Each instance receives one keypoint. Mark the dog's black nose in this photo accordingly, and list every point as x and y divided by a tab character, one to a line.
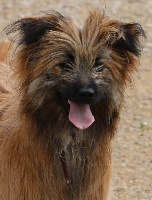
86	93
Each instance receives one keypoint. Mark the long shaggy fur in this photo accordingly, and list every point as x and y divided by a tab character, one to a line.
42	155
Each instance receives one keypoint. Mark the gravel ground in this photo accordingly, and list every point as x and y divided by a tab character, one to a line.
132	179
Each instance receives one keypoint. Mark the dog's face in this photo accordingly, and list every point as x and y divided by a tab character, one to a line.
76	70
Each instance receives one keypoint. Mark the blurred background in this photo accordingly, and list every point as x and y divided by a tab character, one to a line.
132	177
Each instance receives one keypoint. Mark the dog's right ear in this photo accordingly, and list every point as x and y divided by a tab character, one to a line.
32	29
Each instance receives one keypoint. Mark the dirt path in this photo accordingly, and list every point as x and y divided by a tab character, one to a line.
133	143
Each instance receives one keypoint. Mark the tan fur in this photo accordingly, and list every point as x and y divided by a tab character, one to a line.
42	155
4	71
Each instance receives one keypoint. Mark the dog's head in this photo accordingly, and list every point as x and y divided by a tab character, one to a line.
79	71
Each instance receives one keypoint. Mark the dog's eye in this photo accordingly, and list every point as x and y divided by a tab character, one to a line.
66	67
100	68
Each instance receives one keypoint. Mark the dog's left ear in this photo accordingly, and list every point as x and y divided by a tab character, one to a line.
129	39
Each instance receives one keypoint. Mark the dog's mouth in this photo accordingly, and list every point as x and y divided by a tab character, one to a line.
78	101
80	115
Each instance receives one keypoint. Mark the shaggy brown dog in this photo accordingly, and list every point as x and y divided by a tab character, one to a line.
60	113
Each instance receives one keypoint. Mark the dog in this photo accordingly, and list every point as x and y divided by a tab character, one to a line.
61	94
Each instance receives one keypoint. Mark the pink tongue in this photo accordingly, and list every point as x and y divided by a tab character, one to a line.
80	115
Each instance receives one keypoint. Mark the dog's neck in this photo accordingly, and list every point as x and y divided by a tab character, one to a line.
73	152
